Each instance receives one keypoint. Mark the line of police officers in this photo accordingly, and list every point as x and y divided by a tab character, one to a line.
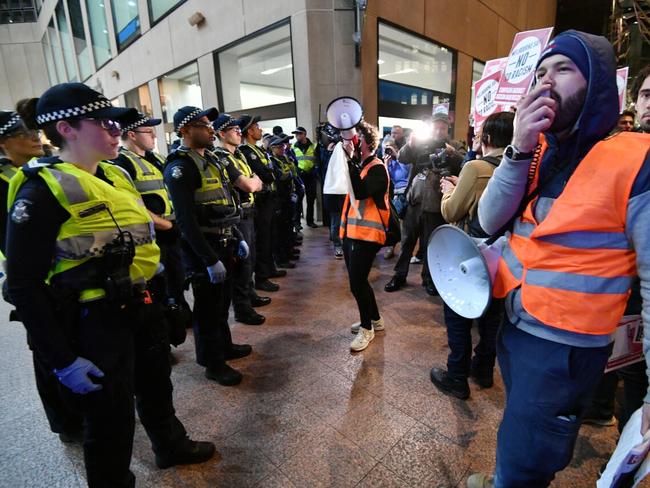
97	254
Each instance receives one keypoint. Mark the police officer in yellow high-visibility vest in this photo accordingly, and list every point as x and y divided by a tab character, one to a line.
80	259
308	158
137	157
207	210
228	138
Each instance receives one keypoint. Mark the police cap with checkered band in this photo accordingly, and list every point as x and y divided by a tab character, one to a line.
186	114
9	121
133	121
76	101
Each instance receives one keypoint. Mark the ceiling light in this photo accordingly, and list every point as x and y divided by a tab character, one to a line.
275	70
380	61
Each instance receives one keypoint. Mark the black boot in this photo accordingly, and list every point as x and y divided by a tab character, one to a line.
250	317
238	351
258	301
266	285
224	375
187	452
449	386
395	283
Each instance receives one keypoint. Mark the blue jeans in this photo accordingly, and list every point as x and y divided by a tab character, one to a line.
548	388
459	337
334	205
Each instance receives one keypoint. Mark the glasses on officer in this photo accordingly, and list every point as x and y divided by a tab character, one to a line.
111	126
200	125
25	133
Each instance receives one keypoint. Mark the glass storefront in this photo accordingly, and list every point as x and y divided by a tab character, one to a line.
140	98
415	74
178	88
257	72
57	52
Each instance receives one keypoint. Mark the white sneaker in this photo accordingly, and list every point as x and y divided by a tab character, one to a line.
415	260
338	253
362	339
377	326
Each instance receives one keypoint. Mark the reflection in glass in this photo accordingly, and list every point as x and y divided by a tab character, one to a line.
98	31
158	8
57	52
258	72
140	98
126	20
79	38
177	89
66	42
49	61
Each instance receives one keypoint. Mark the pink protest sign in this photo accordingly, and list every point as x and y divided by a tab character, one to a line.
493	65
485	91
519	72
621	83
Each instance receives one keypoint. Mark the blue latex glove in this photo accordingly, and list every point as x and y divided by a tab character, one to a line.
294	198
217	273
76	376
243	251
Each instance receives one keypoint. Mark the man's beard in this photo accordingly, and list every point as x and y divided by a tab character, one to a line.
645	125
568	110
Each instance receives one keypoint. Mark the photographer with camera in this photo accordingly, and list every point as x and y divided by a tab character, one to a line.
430	158
460	197
81	262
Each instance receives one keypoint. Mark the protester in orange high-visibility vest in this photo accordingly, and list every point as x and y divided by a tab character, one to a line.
571	257
362	231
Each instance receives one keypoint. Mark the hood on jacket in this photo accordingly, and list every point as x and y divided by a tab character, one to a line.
600	111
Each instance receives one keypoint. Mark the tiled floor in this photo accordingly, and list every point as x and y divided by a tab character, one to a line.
308	413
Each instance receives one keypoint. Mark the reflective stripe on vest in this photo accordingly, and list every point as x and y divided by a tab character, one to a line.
214	181
8	171
576	266
242	165
305	159
366	221
149	180
285	167
92	205
261	155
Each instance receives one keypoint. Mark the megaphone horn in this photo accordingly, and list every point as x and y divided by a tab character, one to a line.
344	113
463	269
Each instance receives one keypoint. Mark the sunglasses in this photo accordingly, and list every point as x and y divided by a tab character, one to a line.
111	126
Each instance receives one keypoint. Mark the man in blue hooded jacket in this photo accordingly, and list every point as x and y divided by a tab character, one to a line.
549	369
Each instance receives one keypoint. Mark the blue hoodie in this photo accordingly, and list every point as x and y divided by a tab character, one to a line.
506	189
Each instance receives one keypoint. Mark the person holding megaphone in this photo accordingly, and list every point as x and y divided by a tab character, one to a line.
366	211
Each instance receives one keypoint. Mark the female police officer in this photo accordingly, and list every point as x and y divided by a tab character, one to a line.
80	251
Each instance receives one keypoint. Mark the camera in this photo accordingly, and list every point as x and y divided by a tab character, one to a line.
439	160
326	134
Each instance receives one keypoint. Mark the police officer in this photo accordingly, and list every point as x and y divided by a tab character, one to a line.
287	198
308	157
80	254
207	211
137	157
265	206
19	142
229	138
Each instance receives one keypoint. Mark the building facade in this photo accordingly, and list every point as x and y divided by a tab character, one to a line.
284	60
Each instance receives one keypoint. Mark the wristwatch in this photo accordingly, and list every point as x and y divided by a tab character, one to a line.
515	154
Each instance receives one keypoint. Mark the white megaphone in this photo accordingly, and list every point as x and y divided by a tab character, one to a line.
463	269
344	113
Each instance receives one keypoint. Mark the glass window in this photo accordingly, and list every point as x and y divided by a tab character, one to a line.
79	38
159	8
288	124
126	20
177	89
414	74
257	72
140	98
66	42
49	61
98	31
57	52
477	72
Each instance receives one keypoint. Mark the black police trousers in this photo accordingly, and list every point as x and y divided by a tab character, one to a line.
131	347
283	227
265	205
171	258
310	181
243	269
212	338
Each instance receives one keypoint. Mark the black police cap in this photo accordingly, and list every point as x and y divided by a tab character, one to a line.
224	121
76	100
9	121
136	120
299	130
245	121
186	114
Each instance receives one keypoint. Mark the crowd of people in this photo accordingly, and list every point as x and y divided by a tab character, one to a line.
103	238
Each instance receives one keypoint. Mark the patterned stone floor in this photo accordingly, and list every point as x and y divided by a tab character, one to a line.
309	413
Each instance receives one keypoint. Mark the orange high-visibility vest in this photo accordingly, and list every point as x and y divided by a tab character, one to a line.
575	268
365	221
